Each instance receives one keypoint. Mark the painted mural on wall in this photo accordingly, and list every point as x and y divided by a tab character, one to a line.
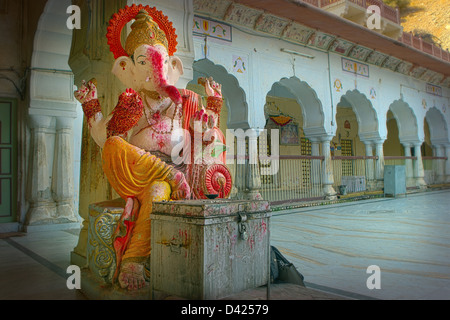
354	67
289	134
211	28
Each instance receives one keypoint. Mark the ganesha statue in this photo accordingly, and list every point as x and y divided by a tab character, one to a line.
160	143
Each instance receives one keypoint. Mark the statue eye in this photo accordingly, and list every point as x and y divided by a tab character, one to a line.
142	62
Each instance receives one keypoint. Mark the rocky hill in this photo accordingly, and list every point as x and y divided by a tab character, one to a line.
429	18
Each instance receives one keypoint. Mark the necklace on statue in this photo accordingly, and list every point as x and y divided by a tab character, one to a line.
155	118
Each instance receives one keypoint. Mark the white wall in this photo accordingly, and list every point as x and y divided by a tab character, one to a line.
267	65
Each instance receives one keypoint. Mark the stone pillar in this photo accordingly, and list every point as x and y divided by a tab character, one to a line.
379	164
241	164
42	207
62	182
447	163
90	58
253	175
327	170
439	151
370	175
419	173
315	165
410	182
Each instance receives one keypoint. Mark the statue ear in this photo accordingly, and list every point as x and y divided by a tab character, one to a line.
123	69
175	70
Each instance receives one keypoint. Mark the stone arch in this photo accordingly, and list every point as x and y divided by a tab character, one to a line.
366	115
437	126
231	90
51	82
311	107
406	121
52	112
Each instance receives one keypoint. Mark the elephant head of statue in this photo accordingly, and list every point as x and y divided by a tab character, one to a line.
147	61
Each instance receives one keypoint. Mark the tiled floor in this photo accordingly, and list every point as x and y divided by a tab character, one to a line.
408	238
332	246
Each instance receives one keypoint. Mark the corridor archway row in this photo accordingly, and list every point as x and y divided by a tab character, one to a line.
313	111
308	113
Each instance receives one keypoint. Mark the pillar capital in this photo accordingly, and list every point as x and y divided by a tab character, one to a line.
325	139
64	123
36	121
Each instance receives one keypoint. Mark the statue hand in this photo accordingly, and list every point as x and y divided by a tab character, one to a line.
126	114
87	92
202	118
180	187
212	88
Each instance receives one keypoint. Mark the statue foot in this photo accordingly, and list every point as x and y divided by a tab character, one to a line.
132	276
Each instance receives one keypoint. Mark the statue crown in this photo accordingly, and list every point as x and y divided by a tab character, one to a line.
150	27
144	31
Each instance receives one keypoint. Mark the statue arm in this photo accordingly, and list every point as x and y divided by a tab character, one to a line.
123	118
214	101
125	115
87	96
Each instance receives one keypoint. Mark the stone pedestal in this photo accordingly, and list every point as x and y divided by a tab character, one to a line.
101	259
209	249
100	264
201	249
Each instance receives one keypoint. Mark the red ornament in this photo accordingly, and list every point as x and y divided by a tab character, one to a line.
216	179
125	15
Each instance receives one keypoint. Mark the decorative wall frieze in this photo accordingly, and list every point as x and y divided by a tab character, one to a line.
391	63
297	33
377	58
213	8
360	53
405	67
417	71
271	24
259	21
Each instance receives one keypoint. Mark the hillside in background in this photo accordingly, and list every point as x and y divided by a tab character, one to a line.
428	18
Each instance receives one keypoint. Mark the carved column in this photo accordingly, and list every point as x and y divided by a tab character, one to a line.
90	58
315	166
327	170
438	151
370	175
379	164
241	163
419	173
253	176
42	206
62	182
410	182
447	163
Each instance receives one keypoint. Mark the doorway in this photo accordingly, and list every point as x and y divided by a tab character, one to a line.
8	160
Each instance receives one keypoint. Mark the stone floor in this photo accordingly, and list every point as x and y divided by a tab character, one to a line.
332	246
408	238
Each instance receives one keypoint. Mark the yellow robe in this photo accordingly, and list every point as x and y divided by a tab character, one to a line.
134	173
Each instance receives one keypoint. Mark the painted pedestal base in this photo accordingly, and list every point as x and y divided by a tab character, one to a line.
209	249
205	249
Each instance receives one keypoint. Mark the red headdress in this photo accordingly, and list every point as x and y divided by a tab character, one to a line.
125	15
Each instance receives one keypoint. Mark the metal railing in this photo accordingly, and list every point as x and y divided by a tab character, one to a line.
353	172
386	11
418	43
298	178
397	160
434	169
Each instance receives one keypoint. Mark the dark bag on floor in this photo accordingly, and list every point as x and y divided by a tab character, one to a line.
283	270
